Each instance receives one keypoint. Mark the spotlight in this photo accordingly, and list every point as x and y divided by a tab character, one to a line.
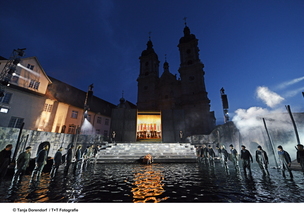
11	70
16	61
85	114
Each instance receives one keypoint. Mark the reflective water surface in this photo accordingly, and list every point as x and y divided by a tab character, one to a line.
179	182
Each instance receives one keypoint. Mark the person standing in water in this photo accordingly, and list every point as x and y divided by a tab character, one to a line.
262	159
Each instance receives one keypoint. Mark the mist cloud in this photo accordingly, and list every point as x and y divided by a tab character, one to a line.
269	97
246	119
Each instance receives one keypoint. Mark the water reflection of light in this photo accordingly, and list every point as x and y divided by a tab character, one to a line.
148	185
36	192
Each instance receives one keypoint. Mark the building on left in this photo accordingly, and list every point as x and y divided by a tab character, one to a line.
35	101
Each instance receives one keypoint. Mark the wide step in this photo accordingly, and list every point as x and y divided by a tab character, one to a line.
161	152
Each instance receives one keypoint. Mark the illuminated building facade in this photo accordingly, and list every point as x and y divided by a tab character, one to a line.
68	111
168	109
46	104
24	99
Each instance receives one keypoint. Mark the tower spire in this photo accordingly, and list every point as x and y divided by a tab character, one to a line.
122	100
186	28
149	43
166	64
185	19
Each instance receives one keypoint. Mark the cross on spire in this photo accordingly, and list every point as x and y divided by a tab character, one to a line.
185	19
150	35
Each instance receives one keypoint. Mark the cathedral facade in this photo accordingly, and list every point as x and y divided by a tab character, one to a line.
168	109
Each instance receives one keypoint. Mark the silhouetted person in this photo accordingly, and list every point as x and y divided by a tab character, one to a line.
113	136
87	154
22	163
57	161
285	161
181	135
224	158
262	159
246	158
5	160
211	155
78	154
234	158
40	162
204	154
78	157
300	156
95	150
218	151
69	157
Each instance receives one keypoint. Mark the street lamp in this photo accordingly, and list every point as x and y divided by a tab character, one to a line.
87	100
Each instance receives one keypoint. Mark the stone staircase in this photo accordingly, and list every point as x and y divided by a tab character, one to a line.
161	152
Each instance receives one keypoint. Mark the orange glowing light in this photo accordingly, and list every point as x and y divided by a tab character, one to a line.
148	186
148	126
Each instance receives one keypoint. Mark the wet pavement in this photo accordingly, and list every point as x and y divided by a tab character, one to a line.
167	182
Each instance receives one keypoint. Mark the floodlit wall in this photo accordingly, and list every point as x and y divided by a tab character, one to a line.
60	116
23	105
29	70
35	138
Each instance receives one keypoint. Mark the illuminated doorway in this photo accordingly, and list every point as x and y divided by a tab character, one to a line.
148	126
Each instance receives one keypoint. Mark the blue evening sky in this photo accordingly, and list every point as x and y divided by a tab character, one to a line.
244	44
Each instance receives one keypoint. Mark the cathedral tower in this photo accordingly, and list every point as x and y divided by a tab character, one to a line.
192	73
194	100
147	97
168	106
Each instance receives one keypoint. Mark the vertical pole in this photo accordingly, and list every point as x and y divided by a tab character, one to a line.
18	142
294	123
240	140
218	137
271	143
25	141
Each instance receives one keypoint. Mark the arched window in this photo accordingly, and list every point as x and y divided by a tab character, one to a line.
63	128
